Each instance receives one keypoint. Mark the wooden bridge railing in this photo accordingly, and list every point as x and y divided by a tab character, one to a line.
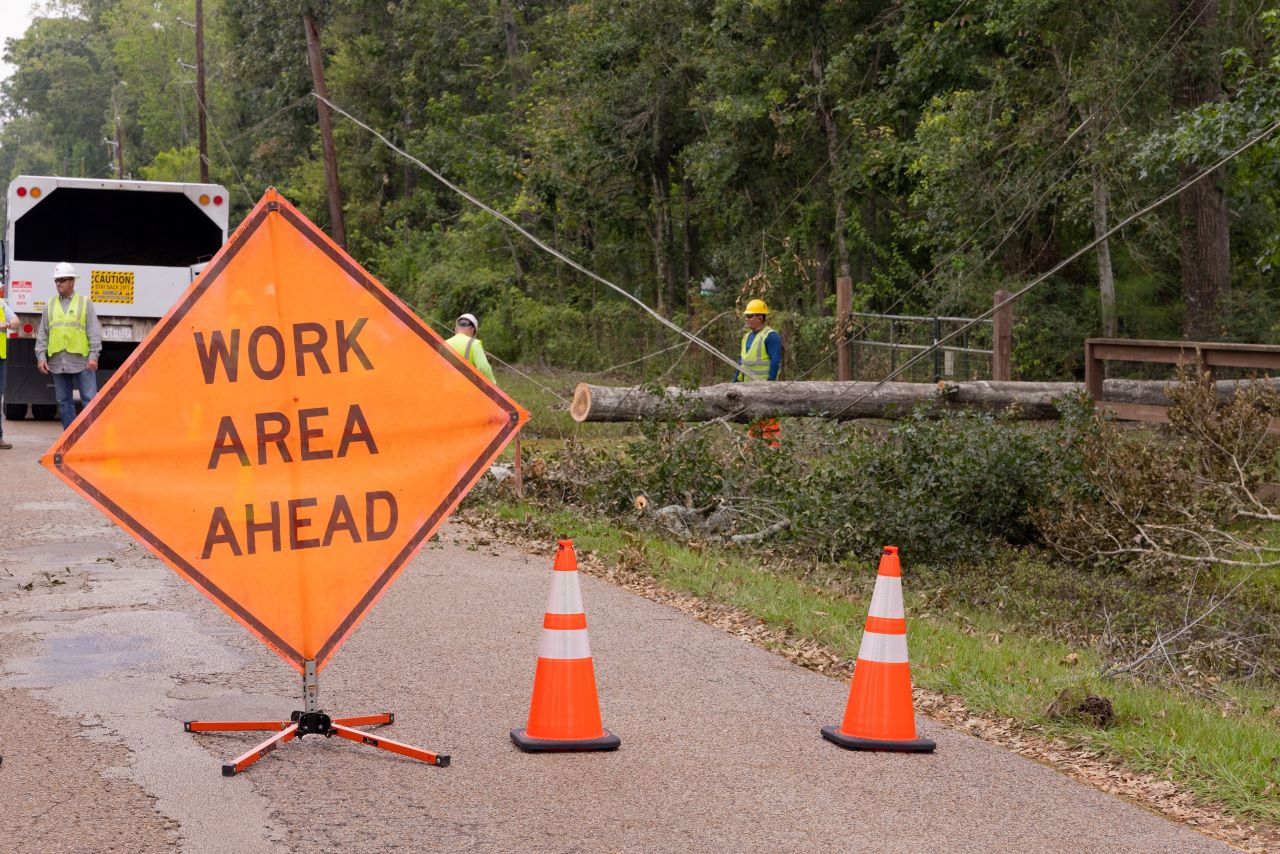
1212	355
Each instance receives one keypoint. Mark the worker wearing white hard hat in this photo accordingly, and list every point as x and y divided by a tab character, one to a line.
468	346
68	343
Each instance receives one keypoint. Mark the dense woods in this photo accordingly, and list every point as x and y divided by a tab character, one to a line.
696	151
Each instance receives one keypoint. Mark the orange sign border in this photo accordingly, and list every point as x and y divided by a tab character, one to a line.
272	203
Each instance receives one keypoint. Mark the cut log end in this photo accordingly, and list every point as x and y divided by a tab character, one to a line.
580	409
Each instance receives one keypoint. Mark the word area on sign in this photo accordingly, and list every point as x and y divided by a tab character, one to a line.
273	434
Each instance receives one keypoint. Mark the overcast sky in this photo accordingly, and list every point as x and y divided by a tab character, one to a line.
15	16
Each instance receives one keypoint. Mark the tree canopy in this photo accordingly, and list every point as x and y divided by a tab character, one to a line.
931	150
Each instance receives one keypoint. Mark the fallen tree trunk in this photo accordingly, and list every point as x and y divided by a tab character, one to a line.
747	402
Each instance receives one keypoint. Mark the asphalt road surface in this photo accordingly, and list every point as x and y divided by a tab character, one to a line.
104	652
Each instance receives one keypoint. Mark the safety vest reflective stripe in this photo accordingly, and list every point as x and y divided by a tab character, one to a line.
882	648
464	349
564	643
755	360
565	596
68	327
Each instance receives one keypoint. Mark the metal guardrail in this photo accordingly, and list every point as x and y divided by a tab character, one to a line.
944	356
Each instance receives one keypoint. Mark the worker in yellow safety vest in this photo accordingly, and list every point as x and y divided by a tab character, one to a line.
468	346
68	343
8	322
760	359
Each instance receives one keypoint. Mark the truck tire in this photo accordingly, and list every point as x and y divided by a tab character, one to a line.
15	411
44	411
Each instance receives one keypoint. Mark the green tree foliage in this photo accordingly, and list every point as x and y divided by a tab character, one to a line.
935	150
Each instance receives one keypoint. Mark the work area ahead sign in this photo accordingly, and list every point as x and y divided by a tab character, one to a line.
288	436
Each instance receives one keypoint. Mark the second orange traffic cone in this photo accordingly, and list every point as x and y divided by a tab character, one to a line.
565	712
879	715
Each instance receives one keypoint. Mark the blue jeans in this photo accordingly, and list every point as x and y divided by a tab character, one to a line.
86	381
3	362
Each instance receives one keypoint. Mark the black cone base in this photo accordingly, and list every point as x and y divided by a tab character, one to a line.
527	743
852	742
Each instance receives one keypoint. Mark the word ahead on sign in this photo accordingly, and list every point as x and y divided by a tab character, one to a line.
288	436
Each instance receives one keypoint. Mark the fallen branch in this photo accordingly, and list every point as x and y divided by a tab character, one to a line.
685	521
775	528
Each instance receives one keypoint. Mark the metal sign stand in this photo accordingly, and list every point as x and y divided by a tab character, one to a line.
312	721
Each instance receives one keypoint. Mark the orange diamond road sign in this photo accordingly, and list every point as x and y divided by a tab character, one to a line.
288	436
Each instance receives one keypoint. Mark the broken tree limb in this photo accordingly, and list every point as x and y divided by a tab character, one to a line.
747	402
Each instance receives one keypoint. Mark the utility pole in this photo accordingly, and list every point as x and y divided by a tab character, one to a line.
200	98
844	323
326	131
119	143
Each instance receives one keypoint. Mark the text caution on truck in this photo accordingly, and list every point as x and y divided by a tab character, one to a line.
111	286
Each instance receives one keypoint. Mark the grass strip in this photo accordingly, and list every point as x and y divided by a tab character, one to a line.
1225	751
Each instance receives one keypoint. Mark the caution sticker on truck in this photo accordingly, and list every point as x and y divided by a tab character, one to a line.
111	286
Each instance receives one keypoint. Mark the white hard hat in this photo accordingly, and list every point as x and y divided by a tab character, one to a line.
470	318
63	270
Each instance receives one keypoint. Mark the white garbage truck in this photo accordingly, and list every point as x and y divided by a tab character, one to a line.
136	246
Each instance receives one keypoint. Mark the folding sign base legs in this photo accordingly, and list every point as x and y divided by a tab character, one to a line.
312	722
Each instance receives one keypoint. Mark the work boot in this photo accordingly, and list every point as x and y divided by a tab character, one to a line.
5	446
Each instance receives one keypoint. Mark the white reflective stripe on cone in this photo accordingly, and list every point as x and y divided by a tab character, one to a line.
886	601
565	596
886	649
566	643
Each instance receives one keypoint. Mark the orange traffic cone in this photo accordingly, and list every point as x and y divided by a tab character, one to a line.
565	712
879	714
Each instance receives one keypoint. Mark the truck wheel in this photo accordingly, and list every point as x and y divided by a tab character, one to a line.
44	411
15	411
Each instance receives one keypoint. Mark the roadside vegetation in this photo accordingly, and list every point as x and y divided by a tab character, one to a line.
1012	606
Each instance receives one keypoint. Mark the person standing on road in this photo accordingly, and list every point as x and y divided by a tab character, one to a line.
68	343
8	321
760	359
468	345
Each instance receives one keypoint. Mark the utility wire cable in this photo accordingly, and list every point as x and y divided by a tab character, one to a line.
929	350
529	236
505	364
221	144
899	72
1088	247
1088	146
1043	161
301	99
647	356
902	298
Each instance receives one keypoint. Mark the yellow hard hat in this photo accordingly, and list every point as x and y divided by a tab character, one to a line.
757	306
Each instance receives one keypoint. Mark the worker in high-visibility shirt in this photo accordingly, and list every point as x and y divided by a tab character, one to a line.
760	359
8	323
68	343
468	345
